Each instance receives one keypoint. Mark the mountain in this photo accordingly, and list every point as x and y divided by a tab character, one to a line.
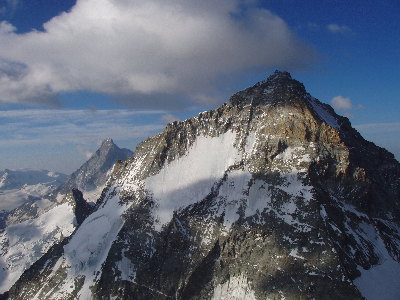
271	196
20	186
91	177
23	241
30	230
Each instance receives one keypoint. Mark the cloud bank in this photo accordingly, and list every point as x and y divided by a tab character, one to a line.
139	48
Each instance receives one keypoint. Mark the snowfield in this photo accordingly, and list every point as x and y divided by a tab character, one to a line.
26	242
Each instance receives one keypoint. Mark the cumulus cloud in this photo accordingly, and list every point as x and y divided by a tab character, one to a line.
341	103
335	28
141	48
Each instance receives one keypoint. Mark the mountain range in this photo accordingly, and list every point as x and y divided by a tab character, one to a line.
270	196
20	186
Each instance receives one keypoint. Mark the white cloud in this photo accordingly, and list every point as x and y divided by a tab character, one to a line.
335	28
171	47
341	103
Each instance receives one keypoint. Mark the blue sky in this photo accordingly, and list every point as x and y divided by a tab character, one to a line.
75	72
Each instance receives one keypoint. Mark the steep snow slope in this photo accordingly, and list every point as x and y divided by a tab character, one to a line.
191	177
25	242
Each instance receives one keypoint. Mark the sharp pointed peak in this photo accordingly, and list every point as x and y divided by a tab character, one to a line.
107	143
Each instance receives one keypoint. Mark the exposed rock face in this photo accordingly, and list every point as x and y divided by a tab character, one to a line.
82	208
271	196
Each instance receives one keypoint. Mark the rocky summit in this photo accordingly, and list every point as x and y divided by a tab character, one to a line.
271	196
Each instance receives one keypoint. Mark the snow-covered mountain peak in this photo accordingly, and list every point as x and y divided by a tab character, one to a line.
270	196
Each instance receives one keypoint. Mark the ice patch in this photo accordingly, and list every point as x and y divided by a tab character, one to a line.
295	253
126	268
93	195
258	199
323	213
251	143
232	195
236	288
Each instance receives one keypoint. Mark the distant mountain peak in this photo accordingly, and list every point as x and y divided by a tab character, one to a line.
93	173
107	144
